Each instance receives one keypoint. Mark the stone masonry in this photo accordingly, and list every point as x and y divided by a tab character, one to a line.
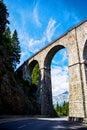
75	40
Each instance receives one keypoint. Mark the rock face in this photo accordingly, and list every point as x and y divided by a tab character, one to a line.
61	98
14	97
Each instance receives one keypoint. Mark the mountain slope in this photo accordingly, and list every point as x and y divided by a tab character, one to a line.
61	98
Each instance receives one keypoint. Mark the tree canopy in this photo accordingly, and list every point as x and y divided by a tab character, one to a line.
3	17
35	75
15	49
62	110
11	45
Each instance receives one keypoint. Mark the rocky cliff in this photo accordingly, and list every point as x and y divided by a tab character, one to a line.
16	95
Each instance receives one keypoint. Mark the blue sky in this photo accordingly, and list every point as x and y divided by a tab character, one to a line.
39	22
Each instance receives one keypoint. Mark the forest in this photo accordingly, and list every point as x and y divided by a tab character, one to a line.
62	110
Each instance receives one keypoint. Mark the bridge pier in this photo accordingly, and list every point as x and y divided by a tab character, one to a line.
77	93
84	76
46	92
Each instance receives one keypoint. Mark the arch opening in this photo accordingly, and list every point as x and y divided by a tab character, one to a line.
85	59
34	73
51	54
57	61
60	88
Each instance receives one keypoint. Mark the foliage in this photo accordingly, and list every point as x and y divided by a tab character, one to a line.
15	49
7	48
35	75
3	17
62	110
11	48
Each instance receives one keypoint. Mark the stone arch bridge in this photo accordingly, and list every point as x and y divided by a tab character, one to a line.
75	40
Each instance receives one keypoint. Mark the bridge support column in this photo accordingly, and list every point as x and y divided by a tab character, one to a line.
76	93
46	92
27	74
84	77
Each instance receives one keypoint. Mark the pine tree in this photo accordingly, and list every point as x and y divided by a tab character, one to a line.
3	17
10	45
16	49
57	106
7	38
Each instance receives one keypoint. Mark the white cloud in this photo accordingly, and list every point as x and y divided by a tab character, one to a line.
59	80
55	62
65	55
51	28
36	16
36	44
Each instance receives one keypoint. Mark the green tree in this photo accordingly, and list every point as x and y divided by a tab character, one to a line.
65	108
62	110
4	42
7	39
11	49
8	46
16	50
3	17
57	106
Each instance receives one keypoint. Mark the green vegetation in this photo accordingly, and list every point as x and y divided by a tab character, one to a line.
3	18
35	75
62	110
15	57
10	44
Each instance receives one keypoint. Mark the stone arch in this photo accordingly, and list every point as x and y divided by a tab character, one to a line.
84	72
85	59
85	51
48	64
46	80
50	55
31	66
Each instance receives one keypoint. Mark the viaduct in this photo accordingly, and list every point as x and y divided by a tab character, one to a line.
75	41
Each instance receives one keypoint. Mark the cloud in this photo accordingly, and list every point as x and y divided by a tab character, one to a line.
36	16
63	55
60	76
36	44
33	42
51	28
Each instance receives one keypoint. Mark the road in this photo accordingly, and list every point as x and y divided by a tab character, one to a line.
41	124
